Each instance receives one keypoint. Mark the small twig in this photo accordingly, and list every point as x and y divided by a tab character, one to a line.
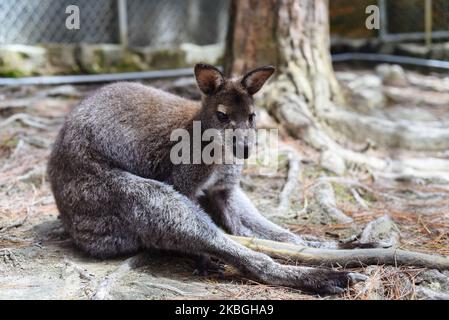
82	272
382	226
104	288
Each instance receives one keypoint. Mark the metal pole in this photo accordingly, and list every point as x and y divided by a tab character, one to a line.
122	22
428	22
383	32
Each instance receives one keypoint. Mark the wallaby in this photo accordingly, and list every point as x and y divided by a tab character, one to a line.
118	192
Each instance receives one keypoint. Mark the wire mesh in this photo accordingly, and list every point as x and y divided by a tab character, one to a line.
347	17
155	22
43	21
150	22
170	22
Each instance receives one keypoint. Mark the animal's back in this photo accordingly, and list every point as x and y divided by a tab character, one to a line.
105	161
125	125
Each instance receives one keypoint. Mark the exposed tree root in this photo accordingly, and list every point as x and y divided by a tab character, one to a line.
318	124
409	135
345	258
430	294
81	271
325	198
292	180
29	120
359	199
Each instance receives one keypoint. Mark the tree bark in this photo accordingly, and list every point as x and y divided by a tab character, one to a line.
292	35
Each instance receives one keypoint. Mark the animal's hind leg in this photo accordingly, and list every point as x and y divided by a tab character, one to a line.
234	211
107	246
165	219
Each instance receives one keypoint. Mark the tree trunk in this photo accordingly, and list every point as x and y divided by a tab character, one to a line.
294	36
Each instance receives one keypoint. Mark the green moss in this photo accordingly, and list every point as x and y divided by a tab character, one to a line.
10	143
11	73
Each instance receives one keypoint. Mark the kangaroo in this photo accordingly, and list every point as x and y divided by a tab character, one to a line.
117	191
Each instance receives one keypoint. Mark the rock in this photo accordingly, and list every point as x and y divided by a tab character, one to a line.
62	58
348	45
440	51
367	92
345	76
162	58
413	50
382	230
187	54
392	75
435	279
211	54
387	48
21	60
106	58
333	162
429	294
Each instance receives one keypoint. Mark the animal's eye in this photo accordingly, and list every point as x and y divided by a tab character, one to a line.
252	117
223	117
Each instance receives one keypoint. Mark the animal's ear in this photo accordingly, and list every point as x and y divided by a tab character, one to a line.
255	79
209	78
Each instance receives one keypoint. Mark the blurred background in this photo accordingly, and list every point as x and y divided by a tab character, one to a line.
363	143
135	35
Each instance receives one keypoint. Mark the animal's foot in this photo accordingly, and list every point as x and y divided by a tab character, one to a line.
315	280
324	282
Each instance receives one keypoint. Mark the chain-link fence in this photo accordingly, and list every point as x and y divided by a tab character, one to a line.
400	20
170	22
149	22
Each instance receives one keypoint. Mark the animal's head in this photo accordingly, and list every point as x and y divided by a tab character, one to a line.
228	104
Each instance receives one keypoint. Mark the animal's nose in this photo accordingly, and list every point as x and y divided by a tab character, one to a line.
245	152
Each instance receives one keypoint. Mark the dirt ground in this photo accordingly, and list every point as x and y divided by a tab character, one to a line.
39	261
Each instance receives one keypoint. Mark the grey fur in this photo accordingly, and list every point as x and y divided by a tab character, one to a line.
117	191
